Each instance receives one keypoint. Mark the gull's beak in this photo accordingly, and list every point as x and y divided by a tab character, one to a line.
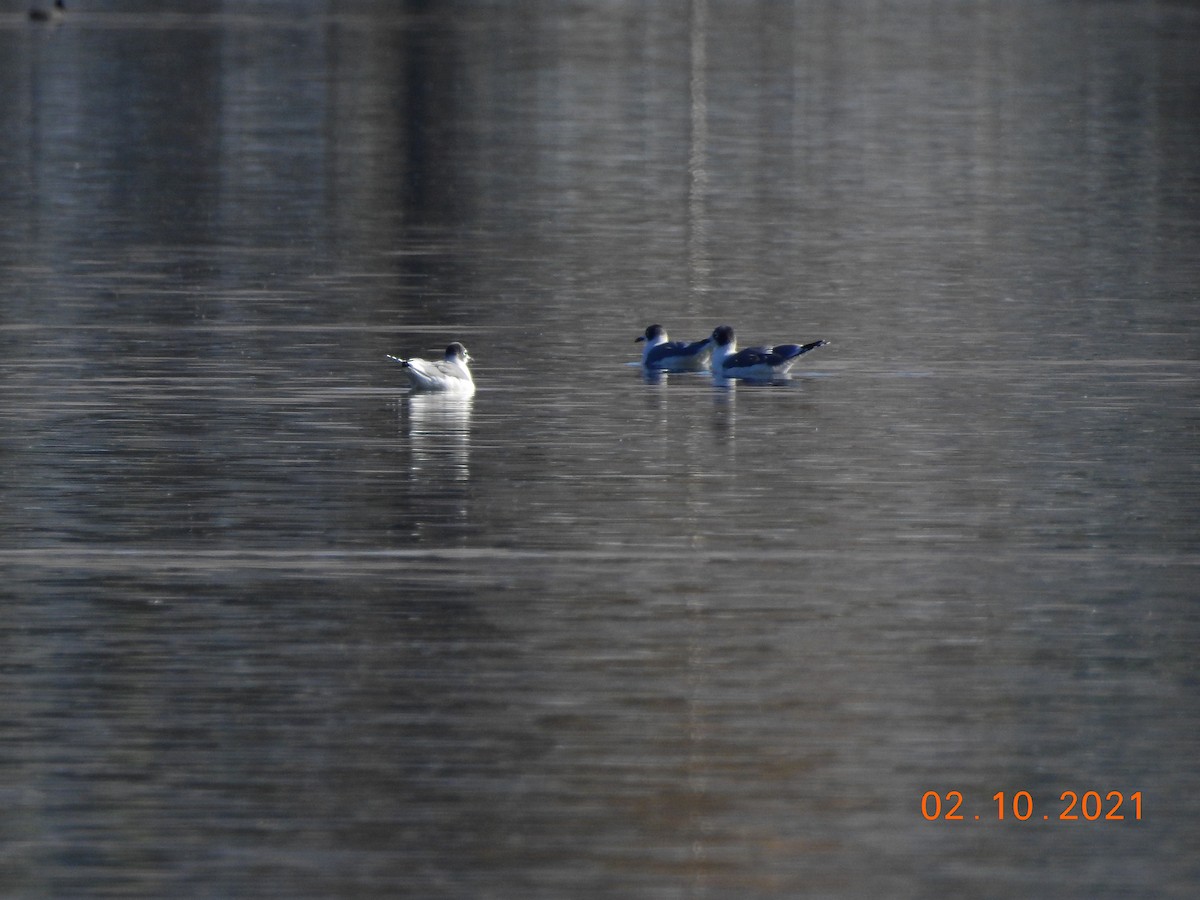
639	339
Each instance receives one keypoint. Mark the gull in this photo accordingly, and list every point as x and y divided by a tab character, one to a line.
753	362
56	12
449	374
679	356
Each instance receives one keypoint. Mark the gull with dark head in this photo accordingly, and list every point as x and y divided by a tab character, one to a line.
447	375
677	356
53	14
753	362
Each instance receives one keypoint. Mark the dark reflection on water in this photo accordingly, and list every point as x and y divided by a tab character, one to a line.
270	626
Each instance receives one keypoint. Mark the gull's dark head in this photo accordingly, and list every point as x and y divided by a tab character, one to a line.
653	333
723	335
457	351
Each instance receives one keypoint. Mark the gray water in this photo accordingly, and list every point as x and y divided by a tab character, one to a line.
271	627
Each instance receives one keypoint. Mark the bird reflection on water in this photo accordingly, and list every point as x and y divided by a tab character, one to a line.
438	427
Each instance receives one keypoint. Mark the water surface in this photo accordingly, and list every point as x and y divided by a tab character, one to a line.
270	626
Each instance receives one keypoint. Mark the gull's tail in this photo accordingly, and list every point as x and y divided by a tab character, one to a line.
791	351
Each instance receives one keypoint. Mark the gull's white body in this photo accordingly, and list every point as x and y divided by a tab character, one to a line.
447	375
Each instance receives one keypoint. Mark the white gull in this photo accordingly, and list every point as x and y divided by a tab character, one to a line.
448	374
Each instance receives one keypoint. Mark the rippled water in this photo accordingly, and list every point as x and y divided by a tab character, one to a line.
272	627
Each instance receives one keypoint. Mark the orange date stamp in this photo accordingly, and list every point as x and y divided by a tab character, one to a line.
1072	806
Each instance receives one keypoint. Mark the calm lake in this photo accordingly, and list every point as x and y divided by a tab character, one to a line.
272	627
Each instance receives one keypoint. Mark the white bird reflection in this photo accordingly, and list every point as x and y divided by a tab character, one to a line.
439	432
